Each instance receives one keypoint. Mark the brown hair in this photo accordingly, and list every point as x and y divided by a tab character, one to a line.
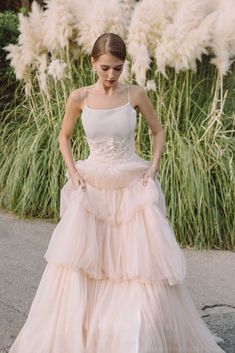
109	43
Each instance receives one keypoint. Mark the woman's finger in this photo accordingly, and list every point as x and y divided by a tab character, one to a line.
75	184
78	180
145	179
82	183
83	186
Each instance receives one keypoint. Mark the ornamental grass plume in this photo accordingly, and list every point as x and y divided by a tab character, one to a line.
31	34
186	38
24	55
141	63
36	21
15	54
171	7
148	21
222	46
58	25
84	15
223	41
57	69
127	7
125	75
102	16
42	72
151	85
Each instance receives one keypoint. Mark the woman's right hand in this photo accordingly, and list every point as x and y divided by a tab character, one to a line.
77	180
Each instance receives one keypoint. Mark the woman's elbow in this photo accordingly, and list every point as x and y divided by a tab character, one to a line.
63	136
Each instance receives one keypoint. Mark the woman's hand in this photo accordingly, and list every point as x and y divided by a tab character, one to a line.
77	180
151	173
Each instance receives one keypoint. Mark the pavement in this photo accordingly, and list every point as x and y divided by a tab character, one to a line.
210	279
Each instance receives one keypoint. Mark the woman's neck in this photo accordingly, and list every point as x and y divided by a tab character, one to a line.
102	88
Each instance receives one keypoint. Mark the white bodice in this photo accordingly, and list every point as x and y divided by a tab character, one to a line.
110	133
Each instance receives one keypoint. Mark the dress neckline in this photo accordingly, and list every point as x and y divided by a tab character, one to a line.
106	109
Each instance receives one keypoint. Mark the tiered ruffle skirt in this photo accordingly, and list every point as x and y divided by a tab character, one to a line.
114	279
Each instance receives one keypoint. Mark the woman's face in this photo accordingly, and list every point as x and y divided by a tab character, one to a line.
108	68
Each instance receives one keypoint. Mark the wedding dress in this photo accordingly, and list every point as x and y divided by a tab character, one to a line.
114	278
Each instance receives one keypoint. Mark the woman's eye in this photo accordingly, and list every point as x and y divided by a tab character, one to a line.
105	69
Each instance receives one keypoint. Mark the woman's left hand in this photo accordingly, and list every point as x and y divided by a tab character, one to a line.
149	174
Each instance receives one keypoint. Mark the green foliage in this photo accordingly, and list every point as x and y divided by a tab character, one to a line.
8	34
8	24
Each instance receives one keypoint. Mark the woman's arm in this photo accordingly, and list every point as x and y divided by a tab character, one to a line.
146	109
72	111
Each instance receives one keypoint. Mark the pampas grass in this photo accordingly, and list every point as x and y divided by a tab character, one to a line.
186	39
58	25
28	54
57	69
176	34
102	16
223	41
144	35
15	55
151	85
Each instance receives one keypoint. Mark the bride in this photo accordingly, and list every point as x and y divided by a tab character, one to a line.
114	279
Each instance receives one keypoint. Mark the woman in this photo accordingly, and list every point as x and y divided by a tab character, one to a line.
114	278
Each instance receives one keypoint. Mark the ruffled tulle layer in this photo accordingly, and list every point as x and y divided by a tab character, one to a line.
72	313
114	278
107	175
117	233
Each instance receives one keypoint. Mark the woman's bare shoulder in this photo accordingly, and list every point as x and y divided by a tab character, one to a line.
76	97
77	93
136	94
136	89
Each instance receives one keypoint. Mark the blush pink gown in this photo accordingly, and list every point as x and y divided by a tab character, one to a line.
114	279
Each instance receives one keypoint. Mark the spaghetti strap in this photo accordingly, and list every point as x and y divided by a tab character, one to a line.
84	94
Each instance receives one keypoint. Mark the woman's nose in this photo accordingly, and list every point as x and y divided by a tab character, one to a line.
111	74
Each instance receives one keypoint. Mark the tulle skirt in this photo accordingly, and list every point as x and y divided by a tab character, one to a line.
114	279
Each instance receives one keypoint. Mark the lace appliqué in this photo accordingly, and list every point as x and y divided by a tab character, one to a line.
112	150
